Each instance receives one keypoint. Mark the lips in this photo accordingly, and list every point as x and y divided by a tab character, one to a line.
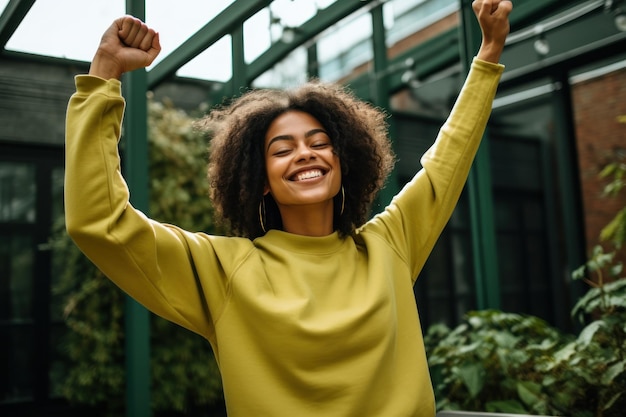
307	174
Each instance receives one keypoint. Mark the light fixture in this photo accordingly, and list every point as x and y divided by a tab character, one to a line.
541	44
620	21
289	34
409	76
618	9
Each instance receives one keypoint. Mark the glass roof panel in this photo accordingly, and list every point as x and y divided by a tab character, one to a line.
64	28
214	63
72	28
345	46
257	35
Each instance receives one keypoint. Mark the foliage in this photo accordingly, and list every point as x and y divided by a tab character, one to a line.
184	373
503	362
615	231
488	363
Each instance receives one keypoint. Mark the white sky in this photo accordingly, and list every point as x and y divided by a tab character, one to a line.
72	29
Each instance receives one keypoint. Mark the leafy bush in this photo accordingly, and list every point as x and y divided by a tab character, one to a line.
488	363
184	373
504	362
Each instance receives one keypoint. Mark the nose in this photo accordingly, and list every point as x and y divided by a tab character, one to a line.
304	153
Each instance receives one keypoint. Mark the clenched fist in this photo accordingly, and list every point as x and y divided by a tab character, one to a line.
128	44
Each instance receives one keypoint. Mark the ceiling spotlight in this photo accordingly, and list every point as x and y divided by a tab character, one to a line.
542	47
289	34
620	21
618	8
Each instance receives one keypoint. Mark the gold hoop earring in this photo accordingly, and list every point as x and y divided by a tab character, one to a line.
262	213
343	200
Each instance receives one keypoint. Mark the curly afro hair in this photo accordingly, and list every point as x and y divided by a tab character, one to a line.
236	171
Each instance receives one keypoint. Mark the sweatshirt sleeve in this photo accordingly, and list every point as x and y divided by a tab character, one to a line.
152	262
417	215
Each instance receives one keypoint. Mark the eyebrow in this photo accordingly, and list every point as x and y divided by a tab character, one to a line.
290	137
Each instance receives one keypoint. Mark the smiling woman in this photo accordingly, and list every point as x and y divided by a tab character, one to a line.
309	308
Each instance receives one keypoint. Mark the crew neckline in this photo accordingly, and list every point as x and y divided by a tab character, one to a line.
301	243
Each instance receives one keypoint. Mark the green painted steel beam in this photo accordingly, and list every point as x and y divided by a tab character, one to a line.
238	80
480	187
136	317
568	179
223	24
312	62
12	15
320	22
381	92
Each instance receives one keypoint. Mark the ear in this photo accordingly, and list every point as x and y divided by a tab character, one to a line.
266	190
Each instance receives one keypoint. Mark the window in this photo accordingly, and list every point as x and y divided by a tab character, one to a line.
31	184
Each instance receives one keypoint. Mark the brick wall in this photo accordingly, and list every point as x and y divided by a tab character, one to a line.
598	104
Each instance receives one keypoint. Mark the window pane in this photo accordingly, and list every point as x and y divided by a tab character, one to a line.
289	72
57	193
347	46
16	272
58	361
16	354
56	300
409	17
17	192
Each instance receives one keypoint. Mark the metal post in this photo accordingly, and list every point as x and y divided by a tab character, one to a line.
312	63
137	319
381	91
569	183
480	187
239	78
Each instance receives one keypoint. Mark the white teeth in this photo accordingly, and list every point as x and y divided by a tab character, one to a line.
309	174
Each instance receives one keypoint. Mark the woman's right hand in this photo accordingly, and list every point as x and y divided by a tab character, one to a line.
128	44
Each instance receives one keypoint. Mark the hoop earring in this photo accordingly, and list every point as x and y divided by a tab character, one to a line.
262	213
343	199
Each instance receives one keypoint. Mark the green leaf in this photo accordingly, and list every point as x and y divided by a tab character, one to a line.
506	406
473	377
612	372
579	273
586	336
529	392
612	401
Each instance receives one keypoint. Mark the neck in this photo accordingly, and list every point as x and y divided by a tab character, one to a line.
311	220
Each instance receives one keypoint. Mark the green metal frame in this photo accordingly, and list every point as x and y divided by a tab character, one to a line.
11	17
223	24
136	317
480	187
432	56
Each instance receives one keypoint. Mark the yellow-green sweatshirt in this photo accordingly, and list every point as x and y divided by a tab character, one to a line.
300	326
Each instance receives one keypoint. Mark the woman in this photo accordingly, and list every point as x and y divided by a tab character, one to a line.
310	310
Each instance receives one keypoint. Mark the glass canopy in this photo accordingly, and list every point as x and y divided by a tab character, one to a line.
72	28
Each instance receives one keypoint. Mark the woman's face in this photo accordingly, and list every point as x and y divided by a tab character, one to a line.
302	167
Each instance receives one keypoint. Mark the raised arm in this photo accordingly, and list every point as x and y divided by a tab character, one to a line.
421	210
128	44
153	262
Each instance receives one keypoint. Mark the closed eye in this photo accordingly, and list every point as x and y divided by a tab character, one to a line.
281	152
320	145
